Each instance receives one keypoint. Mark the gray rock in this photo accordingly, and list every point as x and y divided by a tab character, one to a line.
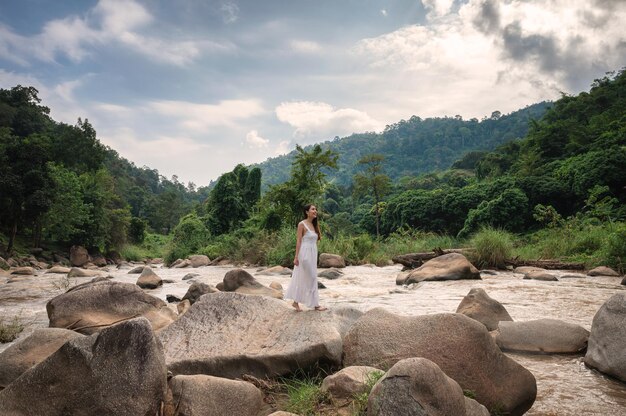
24	271
148	279
58	269
330	274
199	260
452	266
198	289
602	271
240	281
90	307
349	382
541	275
542	335
528	269
190	276
213	396
77	272
119	371
418	387
182	264
136	270
479	306
459	345
30	351
79	256
271	338
328	260
607	341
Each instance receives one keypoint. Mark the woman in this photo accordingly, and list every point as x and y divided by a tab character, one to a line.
303	285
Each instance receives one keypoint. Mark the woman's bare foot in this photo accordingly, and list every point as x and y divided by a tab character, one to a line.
296	307
320	308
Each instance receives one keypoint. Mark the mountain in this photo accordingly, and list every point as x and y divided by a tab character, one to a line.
415	146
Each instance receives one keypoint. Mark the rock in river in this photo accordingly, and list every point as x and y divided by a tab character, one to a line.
229	334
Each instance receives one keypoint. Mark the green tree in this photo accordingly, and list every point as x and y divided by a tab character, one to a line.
67	212
306	185
252	188
373	180
226	206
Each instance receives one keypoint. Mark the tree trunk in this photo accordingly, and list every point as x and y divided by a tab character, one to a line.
12	234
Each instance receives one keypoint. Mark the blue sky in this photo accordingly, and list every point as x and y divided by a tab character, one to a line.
193	87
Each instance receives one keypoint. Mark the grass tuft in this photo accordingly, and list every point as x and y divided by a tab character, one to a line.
10	330
359	405
491	247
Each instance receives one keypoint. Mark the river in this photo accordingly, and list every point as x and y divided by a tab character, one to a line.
565	385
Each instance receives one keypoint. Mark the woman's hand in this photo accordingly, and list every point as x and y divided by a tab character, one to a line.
296	262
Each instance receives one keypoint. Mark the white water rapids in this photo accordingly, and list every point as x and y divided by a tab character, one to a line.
565	385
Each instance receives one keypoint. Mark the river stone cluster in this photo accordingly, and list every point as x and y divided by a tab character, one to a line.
114	349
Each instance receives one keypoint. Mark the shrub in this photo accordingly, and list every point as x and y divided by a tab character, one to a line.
10	330
491	247
189	236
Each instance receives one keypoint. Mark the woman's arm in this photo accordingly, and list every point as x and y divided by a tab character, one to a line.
299	234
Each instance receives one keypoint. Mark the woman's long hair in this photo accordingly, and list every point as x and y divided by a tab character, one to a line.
315	224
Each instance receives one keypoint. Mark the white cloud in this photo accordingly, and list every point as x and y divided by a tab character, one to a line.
466	60
305	46
383	12
282	148
255	141
318	120
437	7
230	12
109	22
202	117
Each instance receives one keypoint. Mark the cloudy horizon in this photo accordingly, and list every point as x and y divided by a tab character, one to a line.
193	87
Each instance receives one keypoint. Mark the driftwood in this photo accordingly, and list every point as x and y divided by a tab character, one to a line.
546	264
413	260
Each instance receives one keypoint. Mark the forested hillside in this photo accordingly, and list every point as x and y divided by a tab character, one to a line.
59	183
415	146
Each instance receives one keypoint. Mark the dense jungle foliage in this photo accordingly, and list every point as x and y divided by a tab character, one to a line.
547	183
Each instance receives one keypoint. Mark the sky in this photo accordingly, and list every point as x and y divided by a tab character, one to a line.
194	87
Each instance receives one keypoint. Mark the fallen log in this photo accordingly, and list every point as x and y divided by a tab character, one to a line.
414	260
548	264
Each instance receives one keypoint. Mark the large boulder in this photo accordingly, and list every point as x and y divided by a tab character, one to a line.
240	281
229	334
196	290
542	335
31	350
602	271
479	306
79	256
418	387
461	346
203	395
328	260
607	341
148	279
199	260
451	266
350	382
120	371
90	307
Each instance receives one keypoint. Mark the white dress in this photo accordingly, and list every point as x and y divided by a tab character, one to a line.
303	285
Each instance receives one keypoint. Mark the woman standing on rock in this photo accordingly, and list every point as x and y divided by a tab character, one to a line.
303	285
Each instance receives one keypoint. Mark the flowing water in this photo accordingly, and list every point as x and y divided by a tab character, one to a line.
565	385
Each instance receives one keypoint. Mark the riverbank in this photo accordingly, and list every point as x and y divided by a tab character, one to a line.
565	385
